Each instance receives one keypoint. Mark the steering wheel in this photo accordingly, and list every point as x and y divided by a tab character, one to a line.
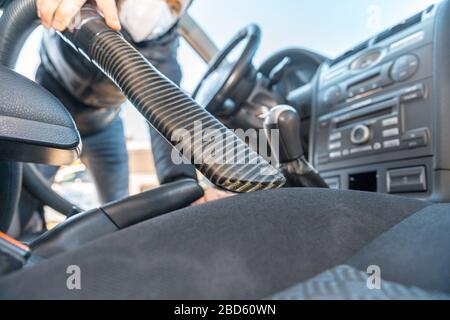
227	69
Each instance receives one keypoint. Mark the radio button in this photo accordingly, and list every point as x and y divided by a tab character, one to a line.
416	143
390	122
360	150
411	96
336	136
412	135
391	133
336	145
391	144
415	139
413	93
335	155
360	134
414	88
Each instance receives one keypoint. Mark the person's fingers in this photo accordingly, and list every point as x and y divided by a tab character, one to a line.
66	11
110	12
219	194
46	11
39	7
200	201
213	194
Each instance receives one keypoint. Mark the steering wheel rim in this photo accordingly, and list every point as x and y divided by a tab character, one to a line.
251	34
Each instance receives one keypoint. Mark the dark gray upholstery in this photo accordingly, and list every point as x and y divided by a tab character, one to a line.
415	253
347	283
246	247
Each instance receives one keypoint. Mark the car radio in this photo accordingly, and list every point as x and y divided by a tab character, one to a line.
372	127
379	113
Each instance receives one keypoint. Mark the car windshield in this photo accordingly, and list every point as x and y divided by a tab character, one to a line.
329	27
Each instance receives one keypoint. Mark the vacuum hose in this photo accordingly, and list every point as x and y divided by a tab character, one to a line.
165	106
171	111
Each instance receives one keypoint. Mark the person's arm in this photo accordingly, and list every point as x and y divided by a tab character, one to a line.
57	14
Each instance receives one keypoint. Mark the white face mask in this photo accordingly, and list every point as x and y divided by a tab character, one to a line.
147	19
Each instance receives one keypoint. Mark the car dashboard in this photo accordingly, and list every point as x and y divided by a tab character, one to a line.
380	111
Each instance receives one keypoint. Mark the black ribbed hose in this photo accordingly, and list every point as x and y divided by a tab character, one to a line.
171	112
165	106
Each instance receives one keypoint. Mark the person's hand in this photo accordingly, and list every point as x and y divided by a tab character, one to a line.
58	14
213	194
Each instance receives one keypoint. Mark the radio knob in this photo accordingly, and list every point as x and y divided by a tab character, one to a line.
360	134
405	67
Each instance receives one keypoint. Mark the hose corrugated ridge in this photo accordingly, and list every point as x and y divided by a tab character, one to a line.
169	109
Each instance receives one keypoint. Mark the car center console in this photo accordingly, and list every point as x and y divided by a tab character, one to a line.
381	112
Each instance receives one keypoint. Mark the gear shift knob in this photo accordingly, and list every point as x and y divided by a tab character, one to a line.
291	157
286	120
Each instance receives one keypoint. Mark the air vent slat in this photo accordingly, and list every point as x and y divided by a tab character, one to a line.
363	46
399	27
408	23
429	9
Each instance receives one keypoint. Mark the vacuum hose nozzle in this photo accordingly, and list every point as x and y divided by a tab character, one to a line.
171	111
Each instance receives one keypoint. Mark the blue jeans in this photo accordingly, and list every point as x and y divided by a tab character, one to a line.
106	157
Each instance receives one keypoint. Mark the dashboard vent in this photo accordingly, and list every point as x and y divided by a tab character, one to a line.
363	46
429	9
399	27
